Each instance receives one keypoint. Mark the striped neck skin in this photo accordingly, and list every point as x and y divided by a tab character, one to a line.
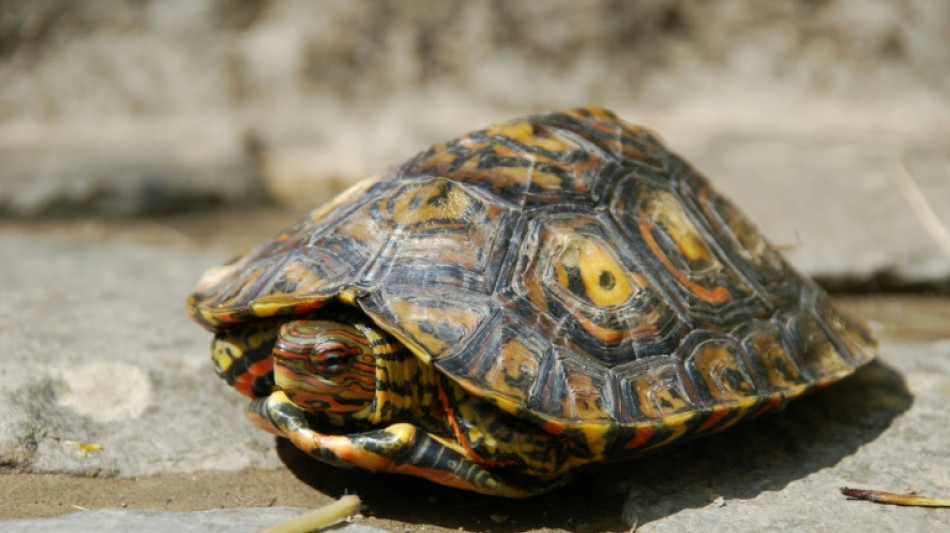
351	373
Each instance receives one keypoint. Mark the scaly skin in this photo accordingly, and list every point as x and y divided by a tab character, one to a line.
349	395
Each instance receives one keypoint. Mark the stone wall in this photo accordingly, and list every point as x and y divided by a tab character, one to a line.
799	109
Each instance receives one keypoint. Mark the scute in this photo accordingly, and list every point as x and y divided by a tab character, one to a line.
434	324
298	270
769	357
568	268
586	293
654	217
438	233
741	243
560	158
504	362
652	389
573	388
818	355
716	368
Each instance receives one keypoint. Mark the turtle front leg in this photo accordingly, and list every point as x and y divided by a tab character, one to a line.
400	448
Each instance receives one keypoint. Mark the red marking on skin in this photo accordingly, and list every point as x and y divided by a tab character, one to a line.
360	386
460	436
326	346
642	436
355	337
311	400
718	414
715	296
262	367
243	384
264	423
344	448
355	352
364	369
279	350
554	428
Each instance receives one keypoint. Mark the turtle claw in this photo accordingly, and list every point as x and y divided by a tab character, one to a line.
257	413
400	448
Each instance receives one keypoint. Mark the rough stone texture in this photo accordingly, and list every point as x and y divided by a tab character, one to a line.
871	432
147	59
838	203
122	521
798	109
100	351
124	169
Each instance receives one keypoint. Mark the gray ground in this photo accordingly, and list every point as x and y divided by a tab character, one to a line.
106	355
826	122
821	119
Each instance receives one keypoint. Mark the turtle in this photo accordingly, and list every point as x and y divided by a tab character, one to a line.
512	306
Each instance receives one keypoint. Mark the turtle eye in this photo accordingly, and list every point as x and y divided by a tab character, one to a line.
330	361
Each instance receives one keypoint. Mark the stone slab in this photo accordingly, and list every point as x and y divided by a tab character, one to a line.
884	430
103	353
248	520
126	168
800	113
841	204
99	350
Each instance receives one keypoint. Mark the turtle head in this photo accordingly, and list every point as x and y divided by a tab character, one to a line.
326	366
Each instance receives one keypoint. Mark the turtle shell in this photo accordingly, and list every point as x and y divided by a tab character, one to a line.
565	266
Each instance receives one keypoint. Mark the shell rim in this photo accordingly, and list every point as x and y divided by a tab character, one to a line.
350	296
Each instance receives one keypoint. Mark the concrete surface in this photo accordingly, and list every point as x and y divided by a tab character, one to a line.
112	360
826	122
122	170
99	351
803	112
839	204
121	521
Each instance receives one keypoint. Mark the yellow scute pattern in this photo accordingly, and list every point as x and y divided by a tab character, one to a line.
719	368
433	201
780	371
669	214
517	363
432	327
605	281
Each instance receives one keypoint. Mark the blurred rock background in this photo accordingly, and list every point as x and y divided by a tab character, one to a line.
143	141
820	117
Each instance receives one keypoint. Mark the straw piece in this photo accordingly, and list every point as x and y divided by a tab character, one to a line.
921	207
910	500
341	509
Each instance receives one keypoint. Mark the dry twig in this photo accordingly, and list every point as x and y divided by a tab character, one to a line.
877	496
341	509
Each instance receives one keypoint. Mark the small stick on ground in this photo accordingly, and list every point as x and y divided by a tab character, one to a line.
341	509
877	496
